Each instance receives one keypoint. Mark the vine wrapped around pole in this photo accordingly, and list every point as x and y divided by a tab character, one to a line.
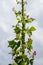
19	45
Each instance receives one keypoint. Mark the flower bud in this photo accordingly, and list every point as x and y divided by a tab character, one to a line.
34	54
27	16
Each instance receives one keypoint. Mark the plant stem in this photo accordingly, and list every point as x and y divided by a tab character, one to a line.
23	27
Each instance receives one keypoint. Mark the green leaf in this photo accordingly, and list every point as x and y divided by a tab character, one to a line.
30	20
18	59
13	52
17	45
17	30
22	63
29	45
24	56
14	45
21	60
14	10
18	13
14	63
16	0
32	29
19	20
31	61
11	44
29	33
17	36
23	18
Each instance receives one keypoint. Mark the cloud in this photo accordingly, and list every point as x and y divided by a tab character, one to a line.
41	1
4	53
4	26
14	1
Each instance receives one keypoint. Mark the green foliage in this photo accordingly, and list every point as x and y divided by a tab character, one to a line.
17	29
30	20
18	13
17	1
23	19
11	44
14	63
19	44
14	45
32	29
31	61
22	60
19	20
29	45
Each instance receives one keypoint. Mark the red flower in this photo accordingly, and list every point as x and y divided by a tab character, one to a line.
34	53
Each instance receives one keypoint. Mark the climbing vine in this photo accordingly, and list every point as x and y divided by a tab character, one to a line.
19	45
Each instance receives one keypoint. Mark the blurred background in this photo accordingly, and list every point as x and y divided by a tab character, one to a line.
8	18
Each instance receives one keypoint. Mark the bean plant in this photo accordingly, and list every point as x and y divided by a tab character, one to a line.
21	48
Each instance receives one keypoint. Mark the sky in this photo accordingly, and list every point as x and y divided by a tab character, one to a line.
7	19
